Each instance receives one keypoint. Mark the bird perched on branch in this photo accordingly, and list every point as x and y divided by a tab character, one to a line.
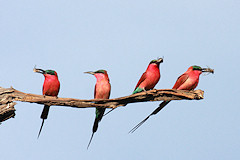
51	87
102	91
150	77
187	81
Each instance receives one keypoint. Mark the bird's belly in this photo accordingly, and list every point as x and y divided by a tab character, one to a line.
51	90
103	92
102	95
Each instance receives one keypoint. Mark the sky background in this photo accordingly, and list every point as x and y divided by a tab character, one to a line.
122	36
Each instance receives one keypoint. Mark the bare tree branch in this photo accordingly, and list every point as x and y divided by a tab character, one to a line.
9	95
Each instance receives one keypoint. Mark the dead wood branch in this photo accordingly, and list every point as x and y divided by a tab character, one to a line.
9	95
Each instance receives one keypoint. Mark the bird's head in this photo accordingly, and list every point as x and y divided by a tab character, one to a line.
101	71
200	69
45	72
99	74
157	61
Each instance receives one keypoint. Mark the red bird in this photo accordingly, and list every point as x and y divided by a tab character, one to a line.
187	81
102	91
51	87
150	77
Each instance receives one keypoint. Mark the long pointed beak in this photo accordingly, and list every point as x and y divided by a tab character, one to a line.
160	60
208	70
37	70
90	72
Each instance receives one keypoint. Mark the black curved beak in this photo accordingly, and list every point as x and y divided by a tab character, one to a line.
208	70
90	72
37	70
160	60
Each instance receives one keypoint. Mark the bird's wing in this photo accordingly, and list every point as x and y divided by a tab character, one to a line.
143	77
181	79
95	90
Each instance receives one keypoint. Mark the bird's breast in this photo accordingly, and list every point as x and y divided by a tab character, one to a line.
102	90
51	87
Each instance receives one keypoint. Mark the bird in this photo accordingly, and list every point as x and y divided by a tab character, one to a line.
187	81
150	77
102	91
51	87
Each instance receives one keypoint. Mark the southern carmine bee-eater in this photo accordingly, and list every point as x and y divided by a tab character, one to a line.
51	87
187	81
102	91
150	77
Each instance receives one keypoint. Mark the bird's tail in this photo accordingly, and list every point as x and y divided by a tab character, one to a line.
109	111
137	90
90	140
44	116
45	111
40	128
163	104
95	125
98	118
99	114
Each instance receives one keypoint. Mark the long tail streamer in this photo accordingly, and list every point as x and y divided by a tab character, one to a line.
163	104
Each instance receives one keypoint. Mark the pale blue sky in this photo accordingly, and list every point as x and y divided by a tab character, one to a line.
122	37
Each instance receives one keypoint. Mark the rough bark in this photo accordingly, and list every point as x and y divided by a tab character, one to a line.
9	95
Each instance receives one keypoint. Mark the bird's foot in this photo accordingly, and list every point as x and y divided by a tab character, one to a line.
145	91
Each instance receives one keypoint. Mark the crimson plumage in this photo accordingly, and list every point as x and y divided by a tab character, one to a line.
187	81
150	77
102	91
51	87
